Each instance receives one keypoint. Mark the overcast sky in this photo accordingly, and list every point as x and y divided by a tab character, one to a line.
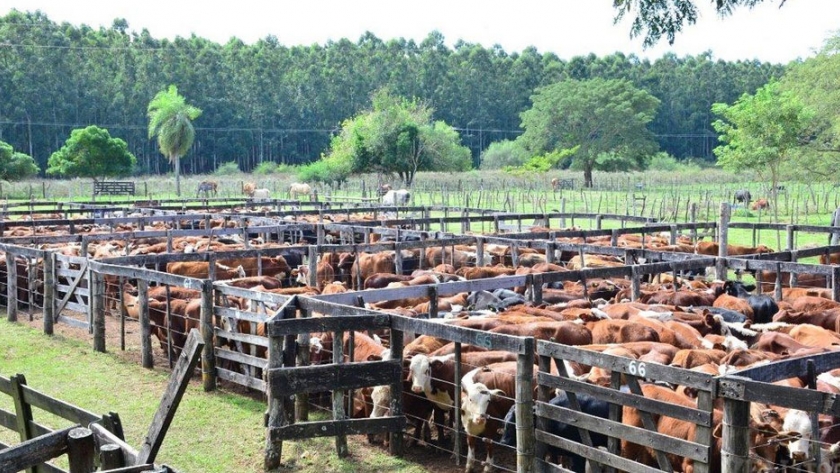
566	27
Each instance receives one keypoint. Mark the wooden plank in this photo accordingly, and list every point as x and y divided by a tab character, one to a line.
250	294
480	338
332	428
171	398
334	377
790	368
279	328
595	454
147	274
241	379
7	420
242	337
636	435
35	451
695	416
105	436
652	371
148	467
240	314
255	361
313	304
63	319
742	389
58	407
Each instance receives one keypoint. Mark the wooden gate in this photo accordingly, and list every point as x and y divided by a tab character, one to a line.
72	290
286	380
649	410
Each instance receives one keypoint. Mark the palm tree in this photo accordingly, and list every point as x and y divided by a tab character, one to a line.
170	119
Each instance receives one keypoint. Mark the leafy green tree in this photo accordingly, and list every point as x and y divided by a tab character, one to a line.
814	81
15	165
170	120
504	153
762	132
602	117
92	152
398	136
655	18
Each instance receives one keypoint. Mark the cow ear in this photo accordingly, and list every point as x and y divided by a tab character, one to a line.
787	435
374	358
718	432
436	363
497	392
749	287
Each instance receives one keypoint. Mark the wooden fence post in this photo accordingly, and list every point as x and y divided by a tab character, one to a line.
145	324
81	450
791	237
11	286
49	292
525	435
723	240
312	261
208	356
736	436
276	417
338	395
835	222
396	444
97	304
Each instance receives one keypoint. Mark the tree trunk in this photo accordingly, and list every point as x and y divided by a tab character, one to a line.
178	175
587	175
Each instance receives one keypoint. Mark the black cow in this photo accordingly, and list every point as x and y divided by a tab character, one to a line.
764	307
729	316
743	196
588	405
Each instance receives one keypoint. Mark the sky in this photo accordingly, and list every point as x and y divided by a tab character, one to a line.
567	28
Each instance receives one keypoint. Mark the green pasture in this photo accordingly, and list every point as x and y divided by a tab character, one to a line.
212	432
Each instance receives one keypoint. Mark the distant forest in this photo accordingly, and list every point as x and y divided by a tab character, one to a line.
270	102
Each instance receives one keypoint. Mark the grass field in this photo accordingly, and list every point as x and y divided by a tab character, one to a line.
212	432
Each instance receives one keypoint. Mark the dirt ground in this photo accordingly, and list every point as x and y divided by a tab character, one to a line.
429	457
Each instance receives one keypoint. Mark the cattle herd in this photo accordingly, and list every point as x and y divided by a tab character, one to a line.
683	319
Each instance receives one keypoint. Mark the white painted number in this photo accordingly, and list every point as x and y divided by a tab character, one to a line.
637	369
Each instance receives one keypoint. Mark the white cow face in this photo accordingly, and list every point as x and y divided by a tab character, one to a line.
800	422
420	373
475	402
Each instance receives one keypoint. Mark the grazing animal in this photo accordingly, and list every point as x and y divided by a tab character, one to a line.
296	189
248	188
261	195
743	196
396	197
555	183
206	187
760	204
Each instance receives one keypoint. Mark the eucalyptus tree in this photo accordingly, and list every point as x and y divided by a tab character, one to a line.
170	120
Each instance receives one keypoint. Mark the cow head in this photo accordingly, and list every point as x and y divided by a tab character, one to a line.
420	373
475	403
302	275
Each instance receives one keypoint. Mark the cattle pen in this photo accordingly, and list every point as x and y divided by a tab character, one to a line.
263	340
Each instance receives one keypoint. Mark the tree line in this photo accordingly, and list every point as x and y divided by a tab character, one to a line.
284	104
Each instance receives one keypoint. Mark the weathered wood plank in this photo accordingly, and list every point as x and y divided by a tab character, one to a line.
695	416
332	428
480	338
595	454
242	337
58	407
789	368
105	436
63	319
171	398
334	377
279	328
644	437
742	389
250	360
241	379
35	451
652	371
239	314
